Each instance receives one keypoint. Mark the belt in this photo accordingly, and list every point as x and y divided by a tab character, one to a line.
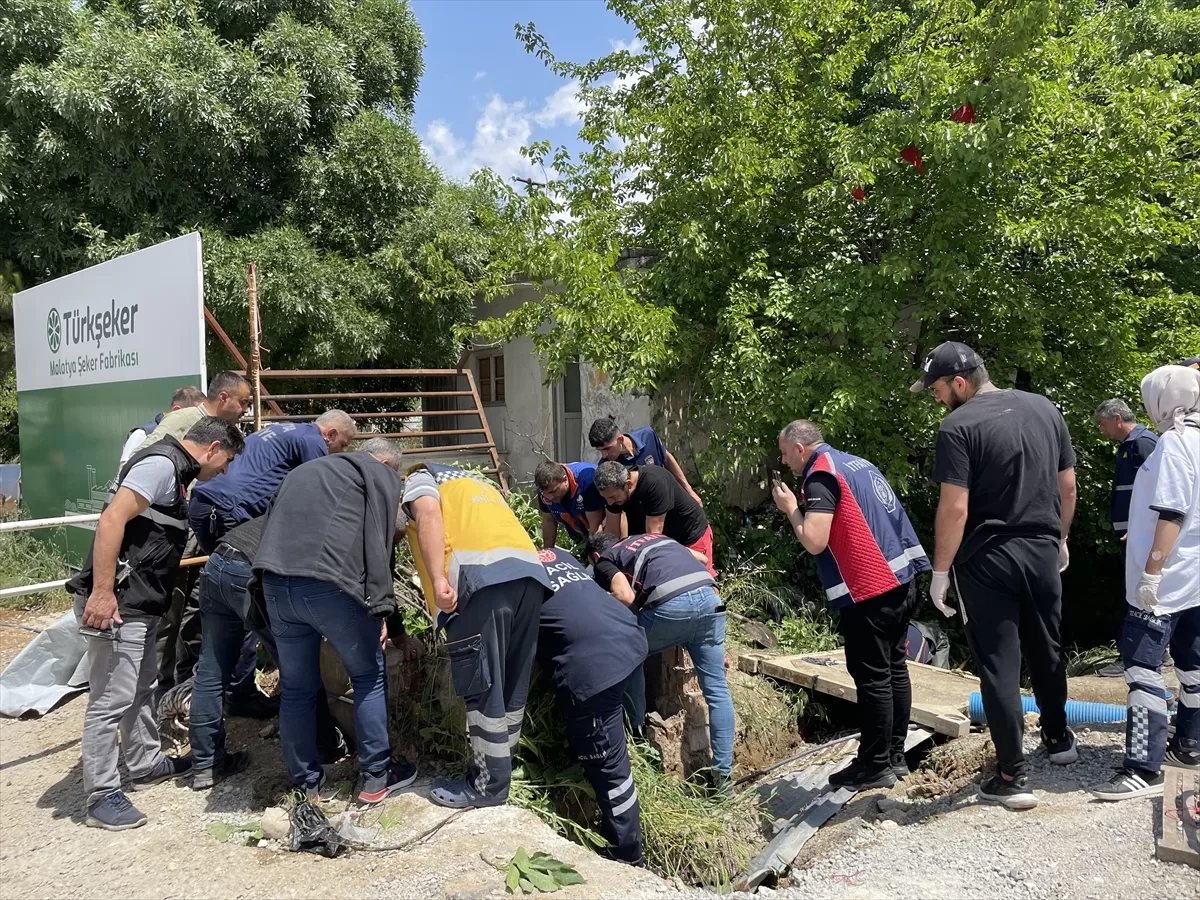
230	552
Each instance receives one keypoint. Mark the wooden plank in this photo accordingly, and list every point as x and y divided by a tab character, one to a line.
1180	817
748	663
939	699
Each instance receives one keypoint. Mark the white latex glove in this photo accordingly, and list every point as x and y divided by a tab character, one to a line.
937	593
1146	592
1064	556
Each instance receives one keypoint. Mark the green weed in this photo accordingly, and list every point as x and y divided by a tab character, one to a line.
28	559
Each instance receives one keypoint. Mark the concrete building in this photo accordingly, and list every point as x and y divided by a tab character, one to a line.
532	420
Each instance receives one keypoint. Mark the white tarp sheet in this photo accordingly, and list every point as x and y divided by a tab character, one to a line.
52	666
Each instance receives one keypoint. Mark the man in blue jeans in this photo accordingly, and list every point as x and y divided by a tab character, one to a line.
670	589
230	614
326	566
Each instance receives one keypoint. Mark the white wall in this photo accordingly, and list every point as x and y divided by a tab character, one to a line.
528	425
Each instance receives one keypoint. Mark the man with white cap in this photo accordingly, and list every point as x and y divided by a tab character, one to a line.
1162	584
1007	474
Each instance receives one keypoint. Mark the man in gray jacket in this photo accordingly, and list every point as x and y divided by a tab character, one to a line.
326	565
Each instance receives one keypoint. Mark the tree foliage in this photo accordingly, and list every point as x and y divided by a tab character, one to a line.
832	187
280	129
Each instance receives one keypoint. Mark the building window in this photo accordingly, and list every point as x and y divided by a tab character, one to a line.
491	378
572	391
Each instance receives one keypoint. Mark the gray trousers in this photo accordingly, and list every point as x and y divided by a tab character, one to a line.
122	675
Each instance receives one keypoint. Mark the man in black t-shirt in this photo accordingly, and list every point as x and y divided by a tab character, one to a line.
653	502
1007	474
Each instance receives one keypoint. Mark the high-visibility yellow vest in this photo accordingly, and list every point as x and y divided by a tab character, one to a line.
485	543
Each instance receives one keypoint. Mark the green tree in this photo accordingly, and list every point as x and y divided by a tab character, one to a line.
832	187
281	130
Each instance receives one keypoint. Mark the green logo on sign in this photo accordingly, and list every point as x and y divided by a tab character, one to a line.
53	333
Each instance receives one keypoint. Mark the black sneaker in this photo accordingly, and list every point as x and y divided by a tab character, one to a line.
372	789
1178	757
114	813
1014	794
721	786
900	766
254	705
321	792
173	767
858	777
230	764
1064	751
332	748
1130	783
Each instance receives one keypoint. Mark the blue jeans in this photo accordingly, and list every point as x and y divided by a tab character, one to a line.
301	611
1143	643
209	524
224	635
691	621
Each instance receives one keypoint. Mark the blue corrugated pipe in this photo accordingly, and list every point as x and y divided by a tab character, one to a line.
1079	712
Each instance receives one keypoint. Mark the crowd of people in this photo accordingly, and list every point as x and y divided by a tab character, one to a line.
301	531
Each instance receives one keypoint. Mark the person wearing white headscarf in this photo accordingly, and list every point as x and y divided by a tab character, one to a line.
1162	581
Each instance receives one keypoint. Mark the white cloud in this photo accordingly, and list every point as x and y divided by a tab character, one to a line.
501	131
479	76
562	107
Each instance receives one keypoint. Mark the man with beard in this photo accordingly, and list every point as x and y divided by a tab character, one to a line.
1007	474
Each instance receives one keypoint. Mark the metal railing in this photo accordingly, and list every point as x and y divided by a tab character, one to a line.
58	522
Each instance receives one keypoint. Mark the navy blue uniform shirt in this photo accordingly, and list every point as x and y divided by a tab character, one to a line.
588	640
648	449
245	491
1132	452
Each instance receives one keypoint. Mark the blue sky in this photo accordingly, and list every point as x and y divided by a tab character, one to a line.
483	97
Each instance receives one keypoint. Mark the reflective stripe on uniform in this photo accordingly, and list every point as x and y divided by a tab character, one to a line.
621	788
1142	675
460	558
632	799
1139	699
840	590
512	721
901	562
163	519
1124	487
679	585
910	555
1189	687
488	734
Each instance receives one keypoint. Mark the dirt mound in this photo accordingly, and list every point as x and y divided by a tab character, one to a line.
950	767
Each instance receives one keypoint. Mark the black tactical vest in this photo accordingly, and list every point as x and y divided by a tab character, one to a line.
153	541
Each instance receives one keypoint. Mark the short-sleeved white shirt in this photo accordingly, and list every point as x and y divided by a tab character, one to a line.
1169	481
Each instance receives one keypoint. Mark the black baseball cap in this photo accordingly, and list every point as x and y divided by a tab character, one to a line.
1191	363
950	358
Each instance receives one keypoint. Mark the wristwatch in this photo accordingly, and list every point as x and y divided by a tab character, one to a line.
1157	555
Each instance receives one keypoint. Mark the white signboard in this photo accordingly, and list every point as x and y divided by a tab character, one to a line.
137	317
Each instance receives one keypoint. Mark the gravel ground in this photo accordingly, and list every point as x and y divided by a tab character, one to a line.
45	850
1070	846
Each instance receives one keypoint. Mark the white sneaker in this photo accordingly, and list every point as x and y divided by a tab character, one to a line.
1130	783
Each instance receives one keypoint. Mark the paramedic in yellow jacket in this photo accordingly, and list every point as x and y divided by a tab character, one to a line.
484	583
